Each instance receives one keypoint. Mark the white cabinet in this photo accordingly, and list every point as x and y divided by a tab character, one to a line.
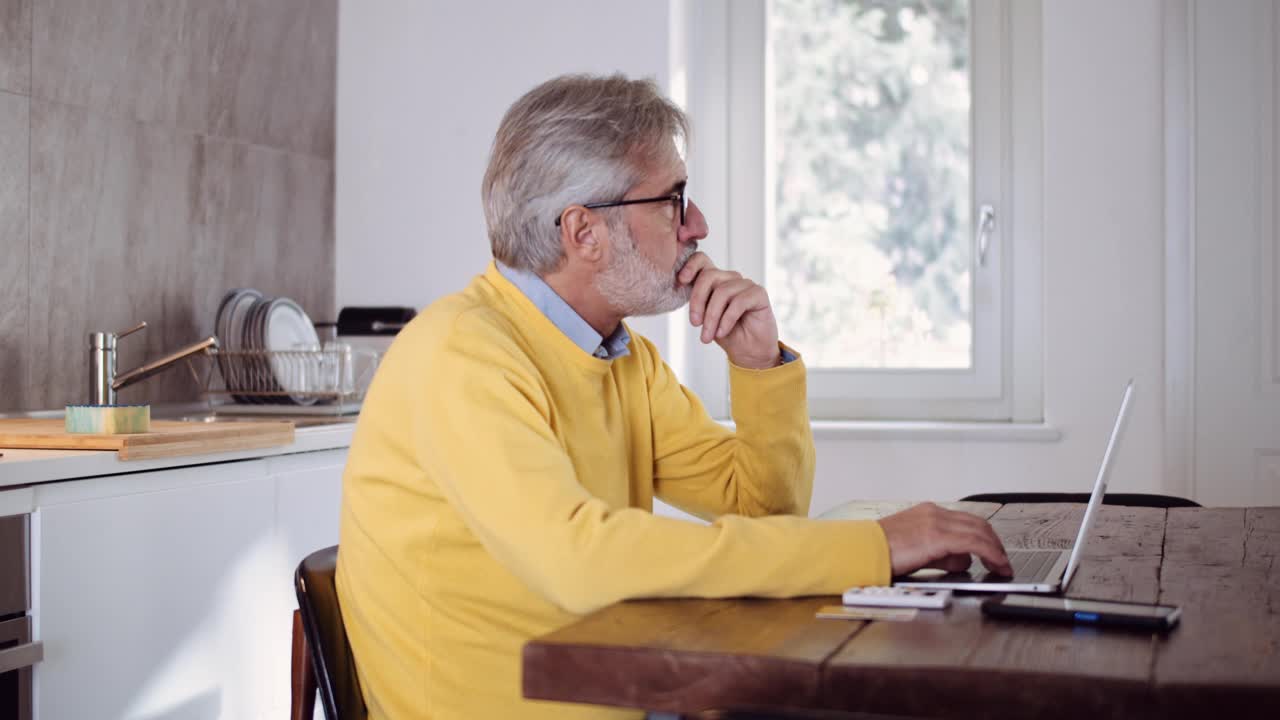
308	499
168	594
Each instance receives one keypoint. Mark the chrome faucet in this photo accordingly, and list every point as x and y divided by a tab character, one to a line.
103	381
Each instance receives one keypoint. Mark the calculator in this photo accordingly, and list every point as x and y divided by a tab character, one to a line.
898	597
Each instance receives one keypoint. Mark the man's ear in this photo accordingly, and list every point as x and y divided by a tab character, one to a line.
581	235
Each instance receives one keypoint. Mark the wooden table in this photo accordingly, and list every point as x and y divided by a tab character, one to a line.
1220	565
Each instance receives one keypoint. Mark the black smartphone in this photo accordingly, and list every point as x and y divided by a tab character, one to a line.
1160	618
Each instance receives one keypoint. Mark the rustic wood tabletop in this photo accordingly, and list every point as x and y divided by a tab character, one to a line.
1219	565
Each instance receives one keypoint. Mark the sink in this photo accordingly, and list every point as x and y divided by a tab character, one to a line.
200	413
300	421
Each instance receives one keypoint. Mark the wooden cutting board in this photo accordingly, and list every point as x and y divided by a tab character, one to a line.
168	438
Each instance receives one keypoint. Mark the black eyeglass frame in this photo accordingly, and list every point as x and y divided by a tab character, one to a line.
676	197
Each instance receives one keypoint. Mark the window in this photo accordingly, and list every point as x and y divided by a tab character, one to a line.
876	164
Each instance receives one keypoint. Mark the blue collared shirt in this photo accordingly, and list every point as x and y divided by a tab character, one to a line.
564	317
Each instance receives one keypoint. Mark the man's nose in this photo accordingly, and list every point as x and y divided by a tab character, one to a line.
695	224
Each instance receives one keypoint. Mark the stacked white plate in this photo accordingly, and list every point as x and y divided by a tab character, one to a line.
247	320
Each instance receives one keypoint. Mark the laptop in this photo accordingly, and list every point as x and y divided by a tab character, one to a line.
1035	571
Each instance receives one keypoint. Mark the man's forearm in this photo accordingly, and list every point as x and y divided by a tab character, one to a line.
774	464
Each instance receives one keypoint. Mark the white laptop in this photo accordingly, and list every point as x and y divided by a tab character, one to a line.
1035	571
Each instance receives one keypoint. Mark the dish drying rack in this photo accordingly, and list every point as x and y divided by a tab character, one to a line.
329	381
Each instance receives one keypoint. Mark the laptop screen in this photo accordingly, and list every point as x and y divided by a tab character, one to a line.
1099	488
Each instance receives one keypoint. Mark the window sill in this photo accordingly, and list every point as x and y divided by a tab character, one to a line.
861	430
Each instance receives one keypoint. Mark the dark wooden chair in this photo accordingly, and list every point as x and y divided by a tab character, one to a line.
322	660
323	664
1126	499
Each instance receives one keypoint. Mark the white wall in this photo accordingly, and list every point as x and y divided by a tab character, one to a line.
421	89
1236	263
423	85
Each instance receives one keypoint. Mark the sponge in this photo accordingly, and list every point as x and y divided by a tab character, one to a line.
108	419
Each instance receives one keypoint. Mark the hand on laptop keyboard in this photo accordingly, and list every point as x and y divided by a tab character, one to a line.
927	536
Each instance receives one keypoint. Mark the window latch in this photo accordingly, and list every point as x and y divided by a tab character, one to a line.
986	225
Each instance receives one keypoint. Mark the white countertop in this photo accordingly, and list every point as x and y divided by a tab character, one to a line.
28	467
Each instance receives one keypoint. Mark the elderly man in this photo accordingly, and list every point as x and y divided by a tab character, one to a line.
503	471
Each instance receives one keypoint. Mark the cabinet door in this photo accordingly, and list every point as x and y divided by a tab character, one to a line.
152	589
309	487
309	497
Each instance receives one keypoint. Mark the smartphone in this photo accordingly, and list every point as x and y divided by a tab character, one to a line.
1160	618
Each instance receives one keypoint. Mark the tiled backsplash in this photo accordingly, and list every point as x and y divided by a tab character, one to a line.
153	155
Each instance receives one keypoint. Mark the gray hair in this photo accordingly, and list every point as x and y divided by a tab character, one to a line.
571	140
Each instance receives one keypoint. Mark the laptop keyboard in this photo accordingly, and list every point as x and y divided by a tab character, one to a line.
1032	565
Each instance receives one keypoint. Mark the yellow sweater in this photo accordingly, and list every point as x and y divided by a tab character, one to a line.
501	483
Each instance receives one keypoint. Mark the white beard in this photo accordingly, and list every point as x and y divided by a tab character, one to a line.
634	286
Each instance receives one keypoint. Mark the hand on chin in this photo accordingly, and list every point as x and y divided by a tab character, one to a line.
733	311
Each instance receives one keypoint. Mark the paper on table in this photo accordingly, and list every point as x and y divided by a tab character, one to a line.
842	612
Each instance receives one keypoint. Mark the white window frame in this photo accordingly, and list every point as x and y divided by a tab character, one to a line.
719	62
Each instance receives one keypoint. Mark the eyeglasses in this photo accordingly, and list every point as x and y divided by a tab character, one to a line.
678	198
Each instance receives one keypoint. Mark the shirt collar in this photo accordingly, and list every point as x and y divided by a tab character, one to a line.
564	317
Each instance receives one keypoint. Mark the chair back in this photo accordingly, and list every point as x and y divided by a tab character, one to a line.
335	668
1124	499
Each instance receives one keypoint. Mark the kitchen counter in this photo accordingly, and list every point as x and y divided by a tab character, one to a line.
162	587
20	467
